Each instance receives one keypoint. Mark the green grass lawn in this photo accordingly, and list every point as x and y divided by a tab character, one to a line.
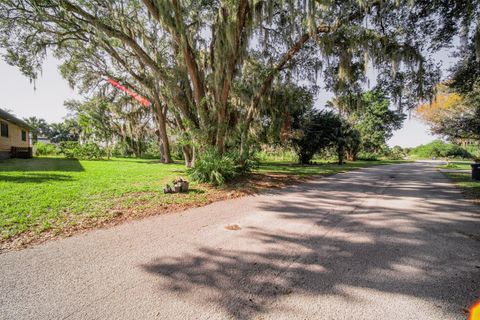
458	165
43	193
464	180
470	187
54	194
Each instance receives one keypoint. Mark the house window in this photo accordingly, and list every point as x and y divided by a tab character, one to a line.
24	135
4	129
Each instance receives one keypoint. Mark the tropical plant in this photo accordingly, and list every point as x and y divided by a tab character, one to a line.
68	130
313	131
45	149
396	153
87	151
37	127
353	141
213	167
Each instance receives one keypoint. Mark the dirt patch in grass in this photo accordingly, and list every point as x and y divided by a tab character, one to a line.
138	205
233	227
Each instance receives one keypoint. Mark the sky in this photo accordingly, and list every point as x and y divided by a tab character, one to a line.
45	101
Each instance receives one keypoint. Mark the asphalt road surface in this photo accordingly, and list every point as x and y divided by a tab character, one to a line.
387	242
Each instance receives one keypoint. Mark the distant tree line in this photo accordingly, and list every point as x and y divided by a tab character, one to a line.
117	127
54	132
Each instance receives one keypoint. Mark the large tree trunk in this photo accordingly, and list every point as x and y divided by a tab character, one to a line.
164	144
221	132
189	155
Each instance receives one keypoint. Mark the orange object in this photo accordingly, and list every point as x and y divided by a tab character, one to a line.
135	96
475	312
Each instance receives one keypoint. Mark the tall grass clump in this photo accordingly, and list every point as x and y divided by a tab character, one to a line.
215	168
212	167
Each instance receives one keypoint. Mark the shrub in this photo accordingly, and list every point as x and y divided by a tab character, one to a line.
316	130
276	153
176	151
368	156
45	149
69	149
440	149
88	151
213	168
152	150
120	150
91	151
396	153
247	162
474	150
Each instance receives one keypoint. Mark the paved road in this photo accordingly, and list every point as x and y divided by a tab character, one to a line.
389	242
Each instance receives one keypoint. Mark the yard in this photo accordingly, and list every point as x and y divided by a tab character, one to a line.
463	179
45	197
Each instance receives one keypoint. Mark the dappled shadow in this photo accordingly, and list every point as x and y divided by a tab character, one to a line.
41	164
319	168
194	191
34	178
415	237
146	161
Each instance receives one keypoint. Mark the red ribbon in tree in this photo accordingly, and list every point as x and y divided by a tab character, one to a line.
135	96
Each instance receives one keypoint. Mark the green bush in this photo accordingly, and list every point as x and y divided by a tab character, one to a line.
246	163
176	151
119	150
440	149
152	150
474	150
211	167
277	154
69	148
316	130
75	150
368	156
45	149
396	153
91	151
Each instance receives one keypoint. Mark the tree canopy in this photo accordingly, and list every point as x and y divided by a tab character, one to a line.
455	111
209	67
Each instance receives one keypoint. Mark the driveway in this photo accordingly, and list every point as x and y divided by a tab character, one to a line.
387	242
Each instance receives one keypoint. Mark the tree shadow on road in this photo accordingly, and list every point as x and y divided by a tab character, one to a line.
353	242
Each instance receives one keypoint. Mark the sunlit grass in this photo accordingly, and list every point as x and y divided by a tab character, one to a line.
43	193
471	188
457	165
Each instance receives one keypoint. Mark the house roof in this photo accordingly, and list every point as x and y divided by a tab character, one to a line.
11	118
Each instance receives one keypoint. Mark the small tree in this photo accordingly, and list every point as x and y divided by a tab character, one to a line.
314	131
376	122
352	141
